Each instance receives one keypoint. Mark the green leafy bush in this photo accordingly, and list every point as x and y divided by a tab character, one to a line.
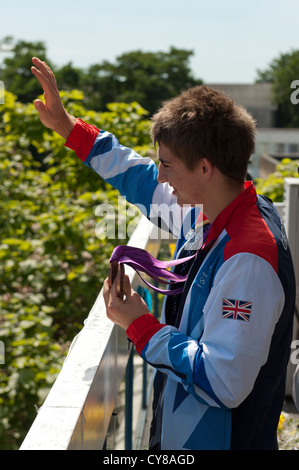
273	186
52	265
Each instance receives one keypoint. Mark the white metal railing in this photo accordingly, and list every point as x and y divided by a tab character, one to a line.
291	221
77	412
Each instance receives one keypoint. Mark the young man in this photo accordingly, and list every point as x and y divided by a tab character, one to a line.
222	346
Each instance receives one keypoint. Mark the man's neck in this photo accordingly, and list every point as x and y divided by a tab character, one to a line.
221	193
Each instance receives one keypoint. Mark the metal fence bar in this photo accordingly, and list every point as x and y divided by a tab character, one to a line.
129	403
144	385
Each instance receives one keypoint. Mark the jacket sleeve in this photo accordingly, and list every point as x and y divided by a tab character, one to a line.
135	177
220	368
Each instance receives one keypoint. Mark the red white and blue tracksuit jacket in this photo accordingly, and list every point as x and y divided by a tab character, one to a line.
221	370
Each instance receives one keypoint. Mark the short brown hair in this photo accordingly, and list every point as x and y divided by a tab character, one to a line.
204	122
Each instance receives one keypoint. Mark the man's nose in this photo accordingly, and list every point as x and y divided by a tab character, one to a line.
161	175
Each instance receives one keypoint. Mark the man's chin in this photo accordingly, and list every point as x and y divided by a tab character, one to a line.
181	203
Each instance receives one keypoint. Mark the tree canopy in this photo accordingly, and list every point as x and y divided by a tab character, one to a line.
16	69
146	77
281	72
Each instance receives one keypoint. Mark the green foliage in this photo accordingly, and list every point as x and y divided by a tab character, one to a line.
52	265
16	73
282	71
273	186
146	77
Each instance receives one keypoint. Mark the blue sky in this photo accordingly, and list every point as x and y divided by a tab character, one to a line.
231	39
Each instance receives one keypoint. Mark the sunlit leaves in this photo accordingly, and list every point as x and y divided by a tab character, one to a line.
273	186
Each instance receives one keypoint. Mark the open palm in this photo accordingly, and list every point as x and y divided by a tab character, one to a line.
51	112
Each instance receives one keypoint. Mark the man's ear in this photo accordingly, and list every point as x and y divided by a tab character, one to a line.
206	168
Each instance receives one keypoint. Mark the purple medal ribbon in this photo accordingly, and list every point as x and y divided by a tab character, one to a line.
141	260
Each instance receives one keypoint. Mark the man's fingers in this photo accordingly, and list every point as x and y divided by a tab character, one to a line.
116	282
39	106
44	74
127	288
43	68
39	76
106	291
123	312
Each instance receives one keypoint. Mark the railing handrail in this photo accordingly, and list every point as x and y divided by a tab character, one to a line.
77	411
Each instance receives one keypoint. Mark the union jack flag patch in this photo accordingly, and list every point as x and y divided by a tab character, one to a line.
236	309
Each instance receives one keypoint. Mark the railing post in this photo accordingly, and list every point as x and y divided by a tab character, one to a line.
144	385
129	402
291	218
